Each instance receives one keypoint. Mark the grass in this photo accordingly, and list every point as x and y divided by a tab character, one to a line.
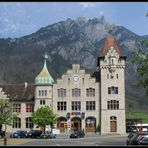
137	106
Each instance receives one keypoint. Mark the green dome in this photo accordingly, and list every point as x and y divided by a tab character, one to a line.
44	77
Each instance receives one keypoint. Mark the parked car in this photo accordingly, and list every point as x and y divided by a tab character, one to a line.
130	137
47	134
77	134
144	140
134	138
34	133
19	134
2	134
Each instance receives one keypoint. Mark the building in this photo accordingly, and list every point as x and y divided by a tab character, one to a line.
82	101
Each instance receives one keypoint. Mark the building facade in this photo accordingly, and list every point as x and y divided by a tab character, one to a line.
81	101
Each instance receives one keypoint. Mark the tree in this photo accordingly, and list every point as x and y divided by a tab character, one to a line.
5	112
140	59
44	116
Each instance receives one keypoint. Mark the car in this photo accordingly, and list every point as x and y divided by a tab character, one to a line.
34	133
77	134
144	140
19	134
130	137
2	134
135	137
47	134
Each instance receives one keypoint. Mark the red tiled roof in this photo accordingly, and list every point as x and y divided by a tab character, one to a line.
111	41
19	92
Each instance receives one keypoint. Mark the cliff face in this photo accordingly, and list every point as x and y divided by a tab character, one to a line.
66	42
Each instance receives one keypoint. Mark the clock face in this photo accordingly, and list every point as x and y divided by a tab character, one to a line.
76	78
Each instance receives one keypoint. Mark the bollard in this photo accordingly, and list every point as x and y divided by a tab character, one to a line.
5	140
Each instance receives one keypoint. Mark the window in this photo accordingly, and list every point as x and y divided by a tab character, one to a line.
90	122
117	76
83	80
107	76
39	93
29	108
42	102
90	92
76	92
42	92
90	105
17	108
76	105
112	90
61	106
17	122
29	123
112	105
45	92
61	92
112	62
109	90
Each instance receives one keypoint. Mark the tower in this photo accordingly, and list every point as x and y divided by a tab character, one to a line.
44	88
111	65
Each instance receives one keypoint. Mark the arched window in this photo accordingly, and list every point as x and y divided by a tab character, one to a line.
90	124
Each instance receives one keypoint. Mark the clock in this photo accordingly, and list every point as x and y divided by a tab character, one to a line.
76	78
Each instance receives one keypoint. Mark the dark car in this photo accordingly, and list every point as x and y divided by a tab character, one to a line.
34	133
77	134
47	134
2	134
134	138
130	137
19	134
144	140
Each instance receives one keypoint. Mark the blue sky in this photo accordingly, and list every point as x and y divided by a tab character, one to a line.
23	18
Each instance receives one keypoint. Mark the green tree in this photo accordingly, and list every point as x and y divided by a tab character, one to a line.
44	116
5	112
140	59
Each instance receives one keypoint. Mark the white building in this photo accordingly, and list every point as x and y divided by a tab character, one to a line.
81	101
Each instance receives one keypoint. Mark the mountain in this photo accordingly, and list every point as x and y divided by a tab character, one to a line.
67	42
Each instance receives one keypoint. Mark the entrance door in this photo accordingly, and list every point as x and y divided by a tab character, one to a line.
113	124
76	124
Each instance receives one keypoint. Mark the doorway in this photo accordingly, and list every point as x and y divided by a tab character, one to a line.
75	124
113	124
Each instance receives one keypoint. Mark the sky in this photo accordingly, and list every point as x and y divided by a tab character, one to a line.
23	18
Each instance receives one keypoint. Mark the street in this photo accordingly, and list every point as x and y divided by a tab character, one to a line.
64	140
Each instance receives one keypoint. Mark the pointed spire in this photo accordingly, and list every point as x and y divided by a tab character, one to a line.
44	77
110	42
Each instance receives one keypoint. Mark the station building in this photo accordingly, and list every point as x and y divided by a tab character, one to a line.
82	101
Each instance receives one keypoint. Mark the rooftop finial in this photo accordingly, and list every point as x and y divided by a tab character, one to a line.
46	56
